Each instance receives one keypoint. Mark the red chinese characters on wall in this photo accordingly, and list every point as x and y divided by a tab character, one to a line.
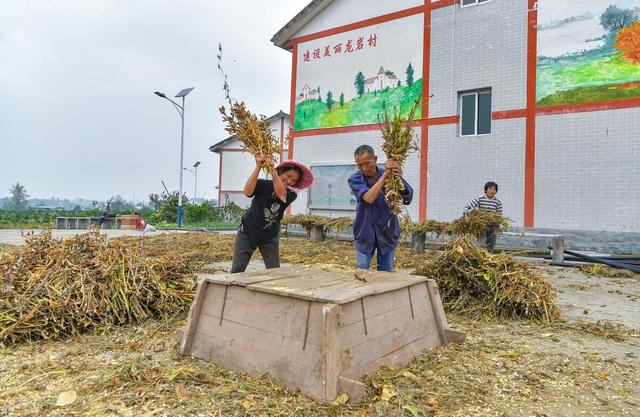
347	47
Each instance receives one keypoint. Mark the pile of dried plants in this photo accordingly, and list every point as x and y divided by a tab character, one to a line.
52	287
308	221
427	226
606	271
476	282
475	222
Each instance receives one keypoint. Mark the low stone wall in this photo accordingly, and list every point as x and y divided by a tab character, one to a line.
588	240
578	240
72	223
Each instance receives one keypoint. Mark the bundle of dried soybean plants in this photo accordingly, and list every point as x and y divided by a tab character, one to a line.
476	282
398	143
51	288
308	221
476	222
252	131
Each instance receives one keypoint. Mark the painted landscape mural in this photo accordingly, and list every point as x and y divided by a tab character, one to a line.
588	50
353	77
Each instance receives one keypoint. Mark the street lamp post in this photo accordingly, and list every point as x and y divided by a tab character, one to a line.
195	187
195	172
180	110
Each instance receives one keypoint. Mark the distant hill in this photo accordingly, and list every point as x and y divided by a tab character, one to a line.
54	202
65	204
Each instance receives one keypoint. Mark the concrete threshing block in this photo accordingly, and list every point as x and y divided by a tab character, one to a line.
418	241
557	250
314	330
316	234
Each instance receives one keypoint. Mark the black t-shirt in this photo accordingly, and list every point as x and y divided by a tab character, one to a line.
262	219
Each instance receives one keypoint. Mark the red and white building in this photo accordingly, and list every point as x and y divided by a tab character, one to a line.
381	81
307	94
482	64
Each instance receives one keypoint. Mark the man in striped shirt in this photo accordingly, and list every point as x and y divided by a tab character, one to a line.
488	201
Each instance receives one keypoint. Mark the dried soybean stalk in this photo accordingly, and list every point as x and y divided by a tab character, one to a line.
251	130
398	143
476	222
479	283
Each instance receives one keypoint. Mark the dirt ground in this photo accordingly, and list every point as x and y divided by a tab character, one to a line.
586	366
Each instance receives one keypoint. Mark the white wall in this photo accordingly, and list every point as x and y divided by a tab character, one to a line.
460	166
236	167
238	199
478	47
588	171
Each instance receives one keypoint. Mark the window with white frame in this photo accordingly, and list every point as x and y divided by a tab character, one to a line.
471	2
475	113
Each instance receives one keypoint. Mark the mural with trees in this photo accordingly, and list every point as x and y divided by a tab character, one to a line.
588	51
359	73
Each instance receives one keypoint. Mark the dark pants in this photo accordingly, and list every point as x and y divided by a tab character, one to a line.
488	238
244	247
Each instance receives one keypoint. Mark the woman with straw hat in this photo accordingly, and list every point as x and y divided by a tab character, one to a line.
260	225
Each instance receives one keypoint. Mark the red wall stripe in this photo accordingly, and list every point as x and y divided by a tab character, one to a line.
344	129
444	120
292	103
220	180
424	128
334	130
508	114
530	133
443	3
357	25
281	138
616	104
431	121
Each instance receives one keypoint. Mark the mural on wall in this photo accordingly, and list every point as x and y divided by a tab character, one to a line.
353	77
588	50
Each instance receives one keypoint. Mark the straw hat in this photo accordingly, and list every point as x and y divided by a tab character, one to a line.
307	176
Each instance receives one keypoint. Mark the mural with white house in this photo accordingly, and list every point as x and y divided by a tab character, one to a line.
352	78
588	51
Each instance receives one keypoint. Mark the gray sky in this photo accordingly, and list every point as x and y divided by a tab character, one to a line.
78	117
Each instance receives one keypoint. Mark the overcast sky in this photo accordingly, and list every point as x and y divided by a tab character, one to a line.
78	117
